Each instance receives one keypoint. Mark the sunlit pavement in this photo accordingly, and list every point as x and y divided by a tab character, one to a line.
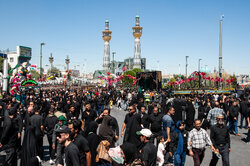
239	155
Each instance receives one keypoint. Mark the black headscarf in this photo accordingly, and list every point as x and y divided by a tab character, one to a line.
93	140
105	131
92	127
30	147
129	151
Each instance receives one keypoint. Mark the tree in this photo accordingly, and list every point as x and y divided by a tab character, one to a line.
137	70
54	72
126	81
34	75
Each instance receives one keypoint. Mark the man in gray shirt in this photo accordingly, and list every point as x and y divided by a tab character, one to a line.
213	113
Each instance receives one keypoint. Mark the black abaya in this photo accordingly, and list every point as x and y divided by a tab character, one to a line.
30	146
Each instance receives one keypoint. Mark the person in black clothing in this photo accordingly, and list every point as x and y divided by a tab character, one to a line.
149	150
128	118
93	103
71	115
77	107
80	142
36	120
93	141
10	137
178	104
202	115
44	108
100	104
67	106
87	116
106	132
27	116
155	120
227	105
233	118
72	154
243	112
19	121
113	123
130	152
140	104
164	102
2	111
132	127
144	117
150	108
49	125
221	140
190	112
248	120
30	146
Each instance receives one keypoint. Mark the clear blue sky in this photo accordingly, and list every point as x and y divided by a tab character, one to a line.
172	29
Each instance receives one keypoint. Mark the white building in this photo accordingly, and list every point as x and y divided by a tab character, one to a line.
22	54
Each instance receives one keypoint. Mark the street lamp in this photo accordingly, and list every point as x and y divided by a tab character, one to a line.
220	51
113	70
199	65
41	56
199	70
186	64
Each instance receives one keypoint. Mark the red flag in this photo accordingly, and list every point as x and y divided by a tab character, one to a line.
203	73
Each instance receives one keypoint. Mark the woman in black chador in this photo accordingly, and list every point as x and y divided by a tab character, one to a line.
190	112
30	147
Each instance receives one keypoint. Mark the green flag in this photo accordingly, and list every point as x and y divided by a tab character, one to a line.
11	70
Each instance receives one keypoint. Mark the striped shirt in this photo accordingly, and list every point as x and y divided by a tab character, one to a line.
213	113
199	139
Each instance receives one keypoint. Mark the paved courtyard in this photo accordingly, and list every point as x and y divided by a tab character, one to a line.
239	156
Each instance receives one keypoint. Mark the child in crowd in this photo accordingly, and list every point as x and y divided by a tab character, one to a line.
161	150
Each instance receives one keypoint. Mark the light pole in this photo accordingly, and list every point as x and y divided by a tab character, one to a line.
113	68
199	70
179	69
41	57
220	51
186	64
199	63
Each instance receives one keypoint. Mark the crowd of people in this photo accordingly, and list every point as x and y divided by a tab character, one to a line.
159	128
